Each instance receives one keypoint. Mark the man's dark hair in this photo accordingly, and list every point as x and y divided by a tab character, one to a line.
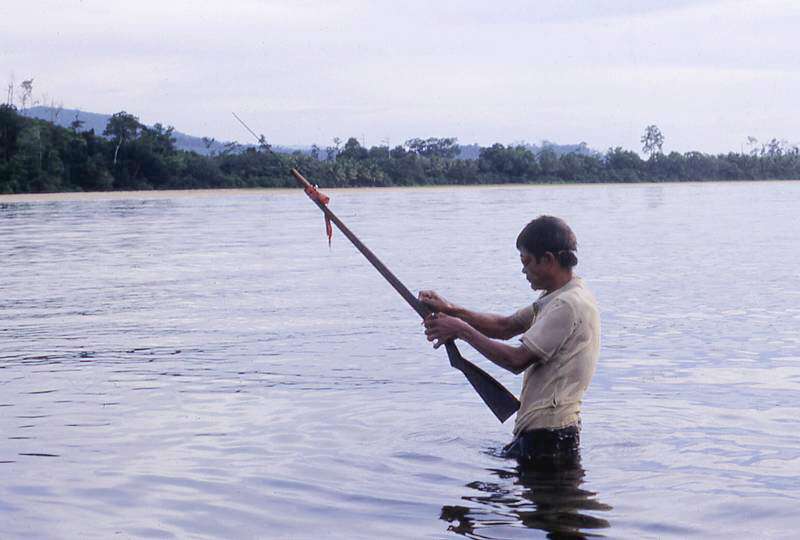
548	233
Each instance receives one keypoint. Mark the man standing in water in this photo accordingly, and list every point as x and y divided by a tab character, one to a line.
560	342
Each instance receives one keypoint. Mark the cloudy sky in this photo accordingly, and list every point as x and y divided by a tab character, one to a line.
708	73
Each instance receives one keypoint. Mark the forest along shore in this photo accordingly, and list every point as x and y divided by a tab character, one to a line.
37	156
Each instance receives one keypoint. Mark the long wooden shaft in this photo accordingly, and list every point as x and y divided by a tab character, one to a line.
407	295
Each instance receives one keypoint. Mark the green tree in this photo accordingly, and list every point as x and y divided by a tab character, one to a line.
380	154
508	163
121	128
11	123
652	140
446	148
159	138
398	152
27	92
353	150
623	165
208	144
76	123
549	163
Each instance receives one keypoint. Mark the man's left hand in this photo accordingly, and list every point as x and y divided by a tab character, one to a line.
441	328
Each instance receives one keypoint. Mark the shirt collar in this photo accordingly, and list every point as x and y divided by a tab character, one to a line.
546	298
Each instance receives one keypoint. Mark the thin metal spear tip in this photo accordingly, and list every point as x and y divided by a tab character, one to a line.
253	133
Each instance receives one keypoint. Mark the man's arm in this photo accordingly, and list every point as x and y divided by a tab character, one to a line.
489	324
442	328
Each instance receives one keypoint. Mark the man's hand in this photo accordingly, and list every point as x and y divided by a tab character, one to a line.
435	302
441	328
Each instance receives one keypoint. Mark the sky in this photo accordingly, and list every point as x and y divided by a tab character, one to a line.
708	73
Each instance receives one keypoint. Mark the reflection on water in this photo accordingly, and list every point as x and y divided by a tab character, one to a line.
654	195
535	496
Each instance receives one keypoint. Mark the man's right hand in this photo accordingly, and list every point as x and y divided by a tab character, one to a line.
435	302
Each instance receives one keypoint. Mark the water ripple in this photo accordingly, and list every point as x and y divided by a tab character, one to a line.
195	365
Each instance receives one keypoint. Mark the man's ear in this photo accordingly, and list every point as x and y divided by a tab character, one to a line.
549	257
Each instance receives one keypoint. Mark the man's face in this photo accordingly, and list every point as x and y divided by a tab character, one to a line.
535	272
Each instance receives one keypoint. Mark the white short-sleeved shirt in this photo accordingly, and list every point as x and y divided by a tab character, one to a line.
564	333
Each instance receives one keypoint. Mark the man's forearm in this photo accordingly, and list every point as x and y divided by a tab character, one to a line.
489	324
514	359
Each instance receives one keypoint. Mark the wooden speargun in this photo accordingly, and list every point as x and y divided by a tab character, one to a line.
498	398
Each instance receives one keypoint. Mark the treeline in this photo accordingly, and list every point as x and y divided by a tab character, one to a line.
38	156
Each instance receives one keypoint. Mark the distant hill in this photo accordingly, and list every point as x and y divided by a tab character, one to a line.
97	122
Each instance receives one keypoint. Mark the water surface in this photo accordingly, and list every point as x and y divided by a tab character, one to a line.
203	365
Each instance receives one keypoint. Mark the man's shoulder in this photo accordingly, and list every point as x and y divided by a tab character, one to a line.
577	296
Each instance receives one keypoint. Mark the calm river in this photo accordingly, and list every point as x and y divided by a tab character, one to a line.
202	365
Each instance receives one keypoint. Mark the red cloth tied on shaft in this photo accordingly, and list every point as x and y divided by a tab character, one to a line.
317	196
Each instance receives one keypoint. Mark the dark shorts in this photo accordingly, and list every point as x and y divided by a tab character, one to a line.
546	446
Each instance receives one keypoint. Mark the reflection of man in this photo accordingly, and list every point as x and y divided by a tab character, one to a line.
560	341
548	498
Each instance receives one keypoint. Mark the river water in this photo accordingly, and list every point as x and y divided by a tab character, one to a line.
202	365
